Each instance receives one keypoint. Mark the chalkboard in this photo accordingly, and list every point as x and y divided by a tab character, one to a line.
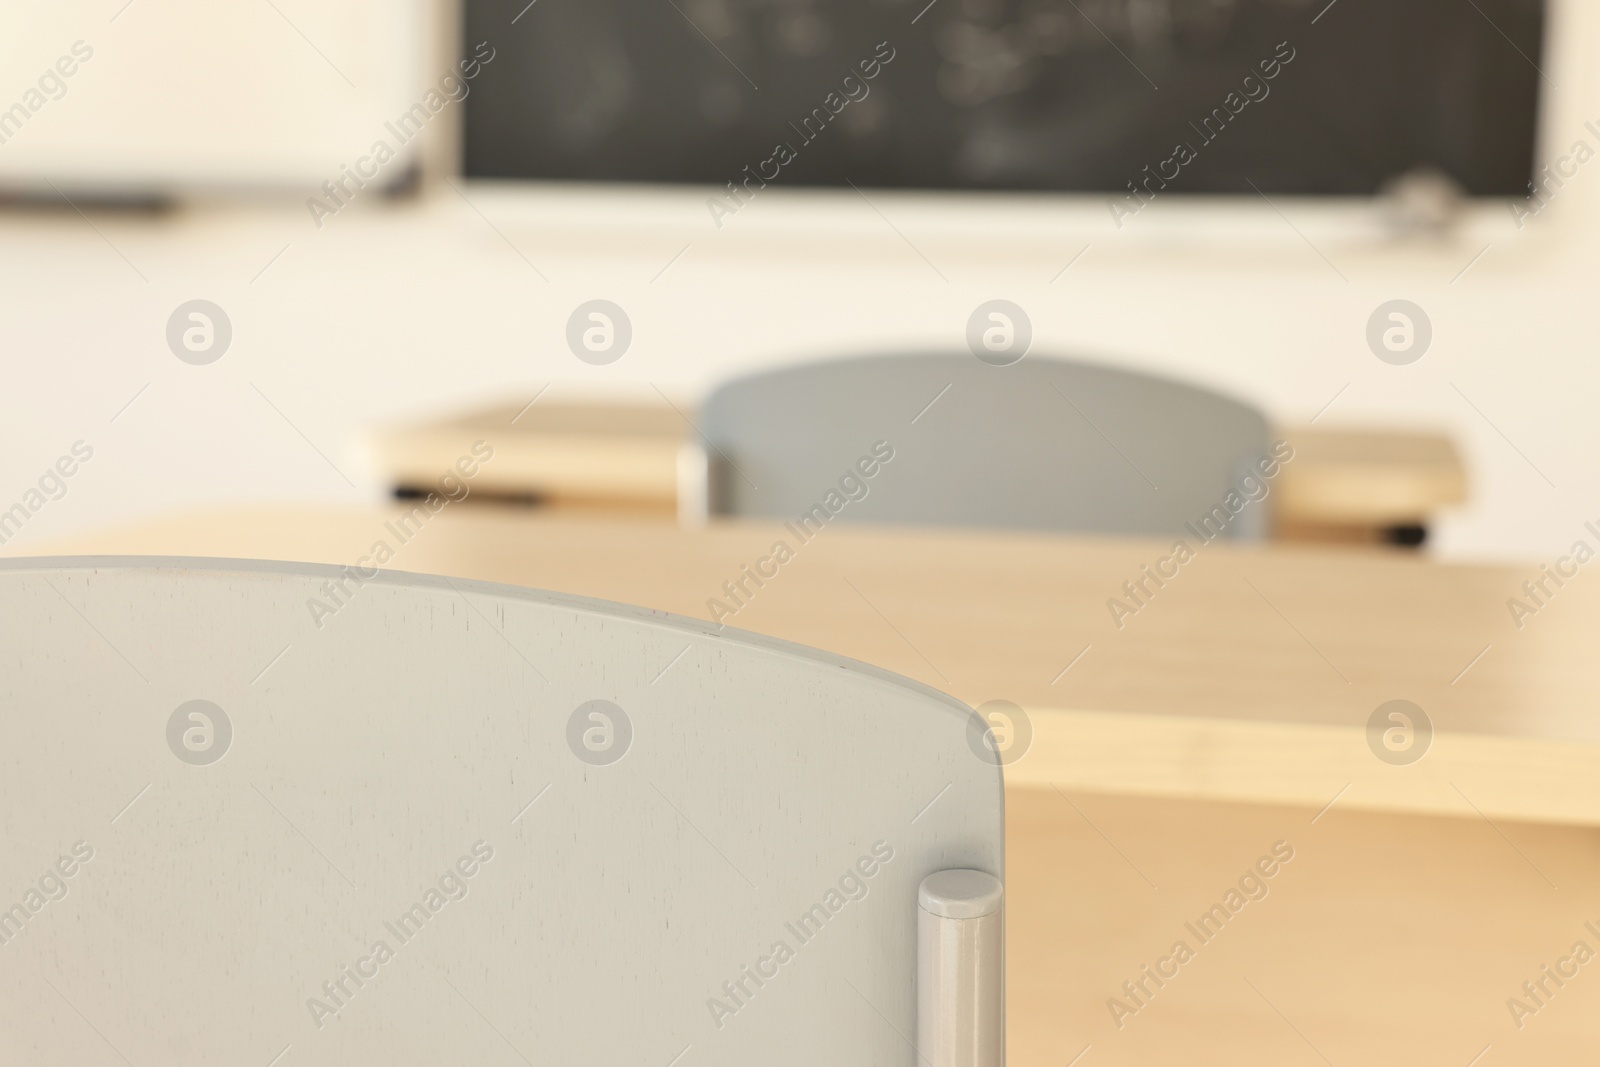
1184	96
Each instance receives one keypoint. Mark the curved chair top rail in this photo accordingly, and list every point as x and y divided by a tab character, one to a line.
391	818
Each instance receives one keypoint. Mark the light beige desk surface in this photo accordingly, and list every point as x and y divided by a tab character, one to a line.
1249	676
1343	484
1393	938
566	454
1351	477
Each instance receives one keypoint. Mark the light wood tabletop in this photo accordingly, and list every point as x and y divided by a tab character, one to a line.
1346	484
1251	673
1416	902
563	454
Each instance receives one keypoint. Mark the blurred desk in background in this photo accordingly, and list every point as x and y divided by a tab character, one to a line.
1344	486
585	457
1230	712
1366	485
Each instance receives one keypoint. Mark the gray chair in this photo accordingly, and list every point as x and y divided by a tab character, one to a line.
948	440
613	834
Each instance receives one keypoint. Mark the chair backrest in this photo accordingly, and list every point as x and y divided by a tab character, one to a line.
1039	445
383	818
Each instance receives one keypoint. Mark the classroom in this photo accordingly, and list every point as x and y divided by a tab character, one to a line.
699	532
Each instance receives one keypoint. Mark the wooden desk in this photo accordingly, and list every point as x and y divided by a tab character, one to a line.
1347	485
1416	902
1344	486
1249	676
605	457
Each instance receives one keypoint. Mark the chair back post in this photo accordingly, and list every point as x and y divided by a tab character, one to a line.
694	485
961	970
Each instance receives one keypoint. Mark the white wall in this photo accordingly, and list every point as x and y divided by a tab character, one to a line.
395	309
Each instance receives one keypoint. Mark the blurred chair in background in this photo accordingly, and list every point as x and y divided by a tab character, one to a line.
948	440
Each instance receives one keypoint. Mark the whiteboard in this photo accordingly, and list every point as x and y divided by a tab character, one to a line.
151	96
405	770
